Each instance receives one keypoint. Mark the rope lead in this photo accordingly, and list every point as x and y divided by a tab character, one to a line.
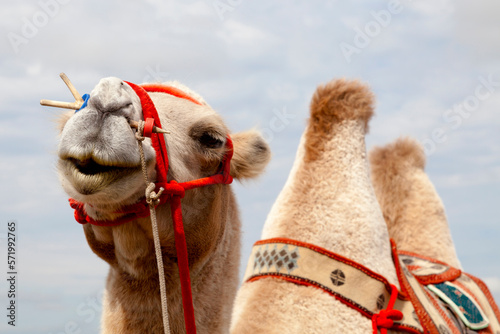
152	199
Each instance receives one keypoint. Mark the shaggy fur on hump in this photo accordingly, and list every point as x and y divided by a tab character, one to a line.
403	153
334	102
328	201
413	210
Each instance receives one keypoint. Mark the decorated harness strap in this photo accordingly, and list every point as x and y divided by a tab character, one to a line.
349	282
435	287
429	288
432	315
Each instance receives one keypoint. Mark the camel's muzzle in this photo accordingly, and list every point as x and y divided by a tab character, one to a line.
89	177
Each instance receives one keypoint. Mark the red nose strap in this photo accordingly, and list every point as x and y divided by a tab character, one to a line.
173	191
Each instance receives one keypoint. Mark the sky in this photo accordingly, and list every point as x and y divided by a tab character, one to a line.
433	65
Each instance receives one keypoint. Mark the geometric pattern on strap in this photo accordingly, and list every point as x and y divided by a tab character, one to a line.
366	291
431	313
349	282
462	304
465	294
427	270
481	294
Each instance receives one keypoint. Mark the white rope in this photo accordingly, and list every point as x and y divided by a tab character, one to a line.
152	199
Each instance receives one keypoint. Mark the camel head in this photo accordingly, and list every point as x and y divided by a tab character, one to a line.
99	160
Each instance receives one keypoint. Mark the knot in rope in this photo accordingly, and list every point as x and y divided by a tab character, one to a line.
226	178
175	189
138	136
79	217
153	198
140	130
385	318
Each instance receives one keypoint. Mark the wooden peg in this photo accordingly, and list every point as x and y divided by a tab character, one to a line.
67	105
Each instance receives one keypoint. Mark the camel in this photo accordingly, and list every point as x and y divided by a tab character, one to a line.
412	208
99	165
325	241
416	217
328	201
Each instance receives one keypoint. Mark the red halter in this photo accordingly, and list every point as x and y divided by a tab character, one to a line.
173	192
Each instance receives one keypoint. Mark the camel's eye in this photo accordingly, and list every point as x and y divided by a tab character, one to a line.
208	140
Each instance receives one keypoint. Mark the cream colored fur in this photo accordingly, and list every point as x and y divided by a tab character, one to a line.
412	208
328	201
99	135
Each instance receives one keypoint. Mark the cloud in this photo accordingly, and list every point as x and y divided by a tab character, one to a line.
58	276
259	58
63	262
488	176
477	27
433	9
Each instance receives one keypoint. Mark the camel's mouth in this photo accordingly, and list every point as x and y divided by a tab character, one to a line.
89	176
91	167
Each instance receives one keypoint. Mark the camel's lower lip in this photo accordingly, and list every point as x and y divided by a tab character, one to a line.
88	177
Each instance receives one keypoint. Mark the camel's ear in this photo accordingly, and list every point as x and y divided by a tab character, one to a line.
251	155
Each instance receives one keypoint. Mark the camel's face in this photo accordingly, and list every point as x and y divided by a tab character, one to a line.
98	153
99	161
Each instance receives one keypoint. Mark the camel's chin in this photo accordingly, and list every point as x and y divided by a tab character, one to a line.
88	184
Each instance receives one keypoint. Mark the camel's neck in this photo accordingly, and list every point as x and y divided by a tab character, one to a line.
329	201
132	303
420	213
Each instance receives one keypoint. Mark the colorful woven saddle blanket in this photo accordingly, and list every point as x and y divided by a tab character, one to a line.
434	297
